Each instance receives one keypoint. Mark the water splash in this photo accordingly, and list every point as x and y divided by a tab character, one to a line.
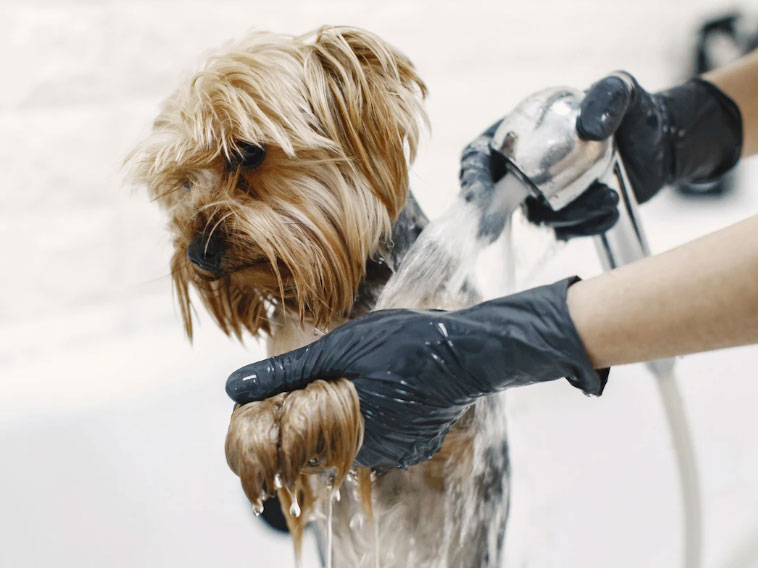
439	269
328	480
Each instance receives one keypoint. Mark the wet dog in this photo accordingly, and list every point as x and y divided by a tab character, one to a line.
282	164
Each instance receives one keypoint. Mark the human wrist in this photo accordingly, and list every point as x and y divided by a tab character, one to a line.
532	336
587	376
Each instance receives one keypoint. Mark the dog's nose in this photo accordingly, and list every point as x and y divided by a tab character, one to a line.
206	253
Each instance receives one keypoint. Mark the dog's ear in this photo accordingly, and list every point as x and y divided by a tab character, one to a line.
370	99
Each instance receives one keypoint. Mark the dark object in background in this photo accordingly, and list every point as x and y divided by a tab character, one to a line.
272	514
720	41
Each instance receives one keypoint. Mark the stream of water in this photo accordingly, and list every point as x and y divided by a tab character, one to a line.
440	270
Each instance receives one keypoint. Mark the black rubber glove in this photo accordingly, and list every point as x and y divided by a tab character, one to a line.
691	133
416	372
592	213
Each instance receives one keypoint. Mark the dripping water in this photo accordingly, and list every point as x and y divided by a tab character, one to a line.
439	268
374	523
294	505
328	480
329	529
440	271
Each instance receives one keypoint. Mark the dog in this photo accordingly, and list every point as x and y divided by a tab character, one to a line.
282	164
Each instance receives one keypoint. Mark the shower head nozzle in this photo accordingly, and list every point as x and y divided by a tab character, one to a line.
541	146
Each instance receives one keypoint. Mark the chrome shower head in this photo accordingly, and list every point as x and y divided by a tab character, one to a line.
540	143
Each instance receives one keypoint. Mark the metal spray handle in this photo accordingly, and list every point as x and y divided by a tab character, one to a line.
542	148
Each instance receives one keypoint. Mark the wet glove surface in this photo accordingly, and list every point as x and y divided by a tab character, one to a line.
691	133
592	213
416	372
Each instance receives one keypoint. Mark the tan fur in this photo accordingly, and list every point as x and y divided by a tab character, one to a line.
339	113
293	435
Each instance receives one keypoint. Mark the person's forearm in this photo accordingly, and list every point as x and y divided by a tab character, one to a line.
740	82
698	297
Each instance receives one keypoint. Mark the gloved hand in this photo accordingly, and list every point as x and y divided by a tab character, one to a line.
416	372
691	133
592	213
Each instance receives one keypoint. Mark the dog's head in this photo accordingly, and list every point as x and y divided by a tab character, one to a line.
282	163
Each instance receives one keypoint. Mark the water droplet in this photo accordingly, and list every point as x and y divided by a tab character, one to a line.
328	478
336	496
328	562
352	476
278	482
257	508
294	509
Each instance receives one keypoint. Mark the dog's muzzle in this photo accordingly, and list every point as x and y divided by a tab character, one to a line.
206	254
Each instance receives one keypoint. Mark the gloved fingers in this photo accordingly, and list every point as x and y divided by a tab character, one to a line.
399	430
588	228
605	105
592	213
593	203
490	132
286	372
477	161
384	450
481	144
328	359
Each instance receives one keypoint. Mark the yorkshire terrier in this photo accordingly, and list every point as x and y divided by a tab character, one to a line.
283	166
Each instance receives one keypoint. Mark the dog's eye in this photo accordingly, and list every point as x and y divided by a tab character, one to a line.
249	156
187	185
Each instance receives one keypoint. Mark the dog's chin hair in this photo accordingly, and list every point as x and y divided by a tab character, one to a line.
307	257
338	112
234	310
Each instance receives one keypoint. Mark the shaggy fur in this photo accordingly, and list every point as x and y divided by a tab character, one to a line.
282	164
338	113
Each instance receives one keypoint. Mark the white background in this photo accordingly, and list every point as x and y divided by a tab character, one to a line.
112	424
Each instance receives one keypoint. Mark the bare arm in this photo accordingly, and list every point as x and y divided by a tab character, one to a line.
698	297
740	82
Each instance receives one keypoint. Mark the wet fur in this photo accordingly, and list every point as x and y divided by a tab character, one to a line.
308	242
